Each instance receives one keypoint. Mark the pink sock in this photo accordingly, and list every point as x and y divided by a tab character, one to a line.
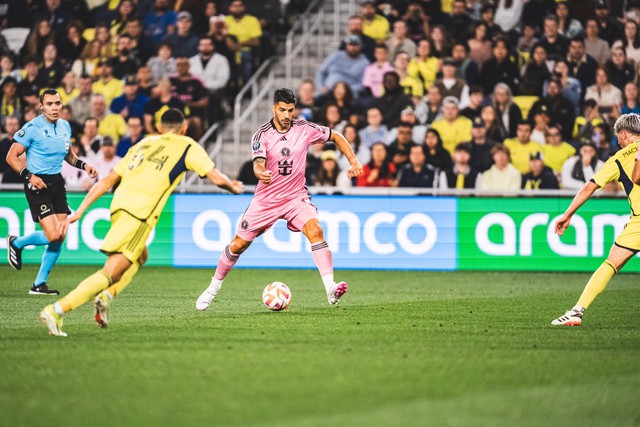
226	263
322	258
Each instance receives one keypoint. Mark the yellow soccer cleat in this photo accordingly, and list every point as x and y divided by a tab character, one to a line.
53	321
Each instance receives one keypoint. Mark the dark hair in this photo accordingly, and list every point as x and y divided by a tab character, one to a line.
476	89
579	39
589	103
172	117
636	38
523	122
48	91
285	95
384	171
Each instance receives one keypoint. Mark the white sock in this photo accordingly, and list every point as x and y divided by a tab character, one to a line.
579	309
214	286
58	309
327	279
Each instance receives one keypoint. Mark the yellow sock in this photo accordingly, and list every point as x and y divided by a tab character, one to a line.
85	291
124	281
597	283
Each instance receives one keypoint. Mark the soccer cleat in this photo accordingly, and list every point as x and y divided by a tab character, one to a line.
53	321
570	318
14	255
102	304
336	292
42	289
204	300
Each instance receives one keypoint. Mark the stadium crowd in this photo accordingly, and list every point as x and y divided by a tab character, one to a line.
118	65
491	95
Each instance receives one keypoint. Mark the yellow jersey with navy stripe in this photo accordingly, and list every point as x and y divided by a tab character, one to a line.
619	168
152	169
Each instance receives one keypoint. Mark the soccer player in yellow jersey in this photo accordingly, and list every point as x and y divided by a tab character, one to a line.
147	176
621	167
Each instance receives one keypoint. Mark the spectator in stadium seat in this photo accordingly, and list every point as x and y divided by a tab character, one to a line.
584	123
540	121
160	22
104	162
133	136
374	131
163	64
11	125
202	21
393	101
481	146
528	38
567	26
418	131
553	42
508	15
502	175
581	66
440	42
453	128
88	62
418	17
141	46
111	124
10	103
29	86
193	94
594	45
66	113
373	25
535	72
466	69
412	86
248	32
602	140
213	70
73	44
362	153
437	156
330	174
51	69
399	42
307	105
461	175
630	42
107	85
417	173
430	108
493	125
378	172
619	69
423	66
81	104
374	72
555	150
571	89
126	11
56	15
8	69
68	88
90	140
330	116
605	94
539	177
398	150
581	168
183	41
487	15
509	114
124	62
450	85
561	110
341	95
479	45
73	176
130	103
354	26
521	147
159	104
459	22
107	42
476	100
39	36
608	26
630	99
347	66
224	43
146	85
499	68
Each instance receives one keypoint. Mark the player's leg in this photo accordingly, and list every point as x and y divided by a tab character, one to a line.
323	259
228	259
618	257
51	227
41	207
112	271
102	302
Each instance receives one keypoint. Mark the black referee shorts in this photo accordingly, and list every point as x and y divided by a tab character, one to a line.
47	201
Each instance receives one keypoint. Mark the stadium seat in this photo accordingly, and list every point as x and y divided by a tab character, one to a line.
15	38
524	102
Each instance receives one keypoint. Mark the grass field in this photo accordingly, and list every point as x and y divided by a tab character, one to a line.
403	349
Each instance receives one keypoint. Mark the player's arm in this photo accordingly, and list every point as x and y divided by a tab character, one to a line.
94	194
583	195
17	161
74	161
343	145
223	181
260	170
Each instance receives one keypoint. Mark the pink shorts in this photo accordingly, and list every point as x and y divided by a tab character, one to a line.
258	218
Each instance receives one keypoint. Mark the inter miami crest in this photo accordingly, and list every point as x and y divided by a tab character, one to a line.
285	152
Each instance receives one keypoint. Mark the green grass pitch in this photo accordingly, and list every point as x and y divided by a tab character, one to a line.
403	349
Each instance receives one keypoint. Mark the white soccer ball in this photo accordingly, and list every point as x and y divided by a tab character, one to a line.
276	296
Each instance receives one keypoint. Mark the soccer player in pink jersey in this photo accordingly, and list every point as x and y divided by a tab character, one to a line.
279	160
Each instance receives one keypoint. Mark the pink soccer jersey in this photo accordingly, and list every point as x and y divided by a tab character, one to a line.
286	158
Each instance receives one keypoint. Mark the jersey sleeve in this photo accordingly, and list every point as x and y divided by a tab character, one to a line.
609	172
121	167
258	148
198	160
26	135
317	134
